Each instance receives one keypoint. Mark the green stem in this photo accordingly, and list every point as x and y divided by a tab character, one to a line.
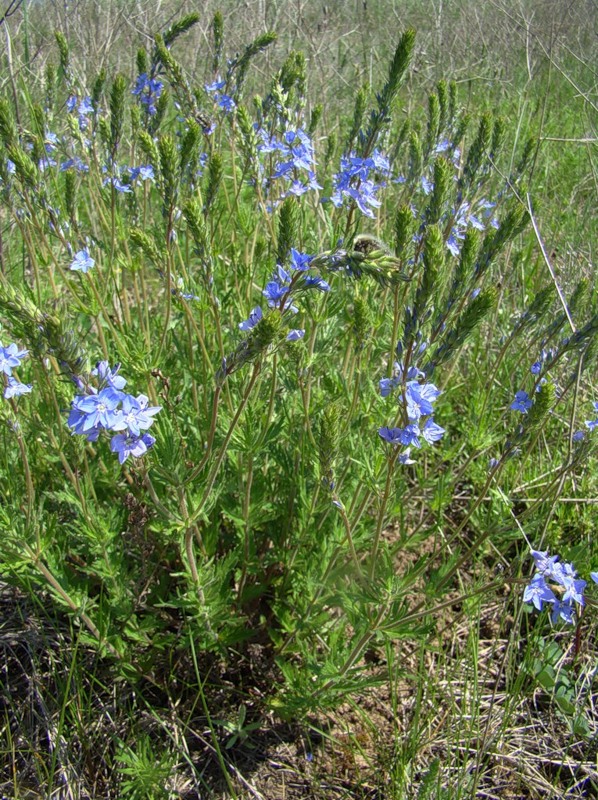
382	511
194	516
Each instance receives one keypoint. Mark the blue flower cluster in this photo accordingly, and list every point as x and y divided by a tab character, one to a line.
294	163
417	399
545	355
523	401
83	108
109	408
123	178
591	425
359	180
465	215
50	142
10	358
224	101
283	286
464	218
75	163
571	587
255	318
148	90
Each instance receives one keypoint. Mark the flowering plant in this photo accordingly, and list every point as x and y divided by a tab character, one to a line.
317	335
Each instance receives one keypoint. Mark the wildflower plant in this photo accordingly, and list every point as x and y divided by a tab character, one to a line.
318	351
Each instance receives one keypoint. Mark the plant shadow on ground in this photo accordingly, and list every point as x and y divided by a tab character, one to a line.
67	718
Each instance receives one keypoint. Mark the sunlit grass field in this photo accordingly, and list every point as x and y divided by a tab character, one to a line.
298	342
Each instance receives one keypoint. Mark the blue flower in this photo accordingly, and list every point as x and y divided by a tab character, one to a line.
16	389
391	435
544	563
269	144
277	288
85	106
593	423
10	357
316	282
148	90
563	574
420	398
74	163
300	261
127	445
144	173
112	409
427	185
117	183
405	457
254	317
108	376
46	162
387	385
295	156
98	410
564	611
453	242
77	419
537	592
216	86
521	402
226	103
432	432
295	335
349	182
464	218
82	261
135	415
274	292
407	436
573	590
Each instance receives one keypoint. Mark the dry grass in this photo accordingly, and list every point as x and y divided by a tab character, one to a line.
487	731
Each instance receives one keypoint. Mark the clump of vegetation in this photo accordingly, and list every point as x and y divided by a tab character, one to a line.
277	398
